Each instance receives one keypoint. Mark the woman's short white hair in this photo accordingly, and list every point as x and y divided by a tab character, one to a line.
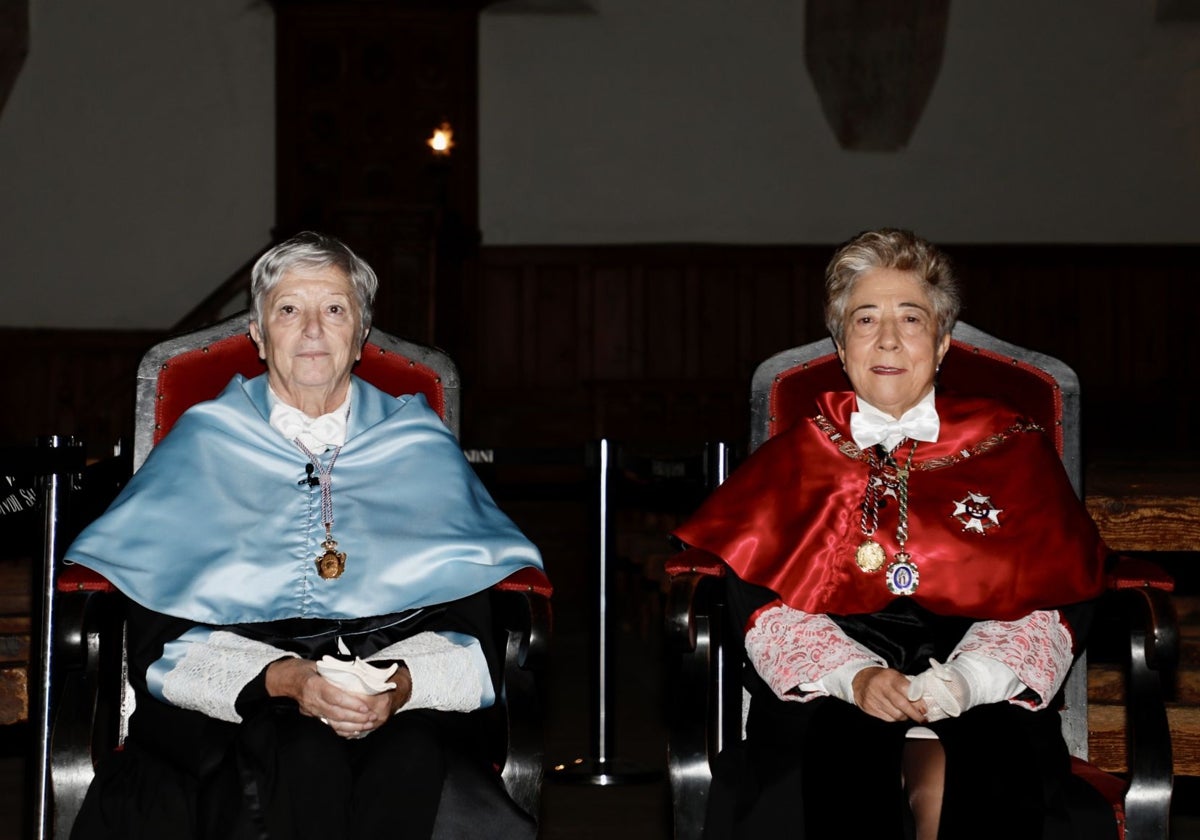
314	250
890	248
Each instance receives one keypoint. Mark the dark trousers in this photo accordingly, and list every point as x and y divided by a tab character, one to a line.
825	769
314	784
279	775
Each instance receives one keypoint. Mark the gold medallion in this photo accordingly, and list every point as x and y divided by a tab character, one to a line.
332	563
870	556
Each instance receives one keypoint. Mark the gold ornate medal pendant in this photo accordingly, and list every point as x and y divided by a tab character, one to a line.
890	479
870	556
332	563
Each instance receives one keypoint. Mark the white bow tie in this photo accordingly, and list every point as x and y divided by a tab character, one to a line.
918	423
314	432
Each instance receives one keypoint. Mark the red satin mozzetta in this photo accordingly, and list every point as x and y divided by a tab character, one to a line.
789	519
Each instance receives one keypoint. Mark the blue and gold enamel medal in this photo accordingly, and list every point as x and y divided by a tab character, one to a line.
902	575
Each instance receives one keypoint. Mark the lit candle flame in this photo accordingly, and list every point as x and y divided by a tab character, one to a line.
442	140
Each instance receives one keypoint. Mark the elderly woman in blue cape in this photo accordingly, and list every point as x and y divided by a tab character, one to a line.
300	512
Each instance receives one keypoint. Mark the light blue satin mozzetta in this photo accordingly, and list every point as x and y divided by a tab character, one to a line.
217	528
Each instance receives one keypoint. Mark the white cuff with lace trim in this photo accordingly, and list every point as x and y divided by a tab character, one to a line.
449	672
1038	649
801	656
205	670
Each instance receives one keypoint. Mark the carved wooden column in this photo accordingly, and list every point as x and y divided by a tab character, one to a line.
874	63
360	87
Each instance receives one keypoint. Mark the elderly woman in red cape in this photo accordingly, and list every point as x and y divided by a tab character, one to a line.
913	575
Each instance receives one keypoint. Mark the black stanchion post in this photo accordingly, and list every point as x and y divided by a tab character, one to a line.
59	458
602	767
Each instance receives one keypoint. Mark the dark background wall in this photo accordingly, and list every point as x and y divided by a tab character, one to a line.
543	252
657	343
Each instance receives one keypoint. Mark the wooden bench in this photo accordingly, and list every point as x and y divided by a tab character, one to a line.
14	640
1149	505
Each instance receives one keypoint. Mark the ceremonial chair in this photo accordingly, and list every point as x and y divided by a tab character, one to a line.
93	700
707	699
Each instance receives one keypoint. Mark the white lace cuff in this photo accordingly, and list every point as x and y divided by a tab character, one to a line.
1037	649
448	670
205	670
798	654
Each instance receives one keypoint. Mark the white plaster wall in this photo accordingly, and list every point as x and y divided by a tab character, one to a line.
696	121
136	159
137	148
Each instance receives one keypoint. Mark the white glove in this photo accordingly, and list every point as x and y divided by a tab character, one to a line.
358	677
945	689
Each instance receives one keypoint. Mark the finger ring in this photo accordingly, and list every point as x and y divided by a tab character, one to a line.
325	721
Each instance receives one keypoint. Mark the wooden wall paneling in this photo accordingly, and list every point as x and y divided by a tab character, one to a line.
716	321
666	293
499	326
671	333
72	382
774	305
611	327
564	344
1106	311
555	362
585	343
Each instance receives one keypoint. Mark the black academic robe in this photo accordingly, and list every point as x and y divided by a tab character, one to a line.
280	774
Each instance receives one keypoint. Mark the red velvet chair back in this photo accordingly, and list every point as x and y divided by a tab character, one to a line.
977	364
180	372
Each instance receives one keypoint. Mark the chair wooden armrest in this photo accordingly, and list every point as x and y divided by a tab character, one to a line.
88	716
1142	593
700	697
522	607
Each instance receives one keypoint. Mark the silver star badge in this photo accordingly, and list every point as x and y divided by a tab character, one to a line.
976	513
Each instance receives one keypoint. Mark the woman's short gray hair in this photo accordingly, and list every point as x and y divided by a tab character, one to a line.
890	248
314	250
